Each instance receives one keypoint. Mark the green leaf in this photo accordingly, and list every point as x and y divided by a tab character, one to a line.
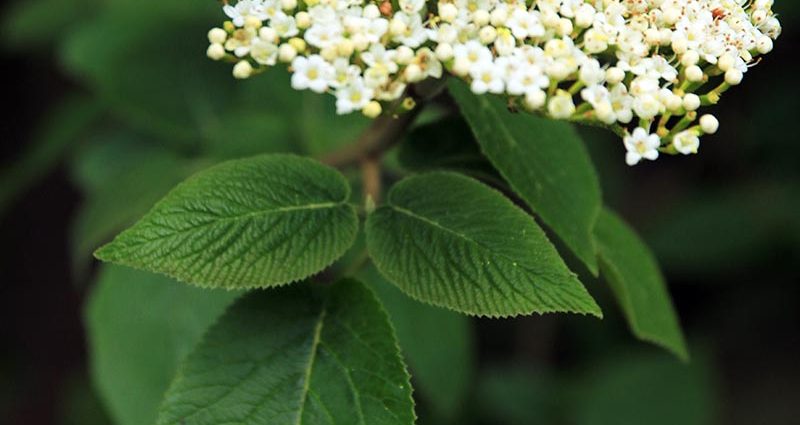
437	344
451	241
295	355
638	285
140	326
544	161
257	222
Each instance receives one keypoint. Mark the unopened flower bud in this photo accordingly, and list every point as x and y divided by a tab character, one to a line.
444	52
303	20
691	102
564	27
614	75
694	74
535	98
404	55
298	43
709	124
448	12
268	34
217	36
726	62
481	17
733	76
498	17
215	51
691	57
764	45
286	53
372	109
242	70
487	34
371	11
413	73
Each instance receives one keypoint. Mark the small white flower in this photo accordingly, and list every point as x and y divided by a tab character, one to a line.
312	73
284	26
344	73
526	78
486	77
686	142
524	24
561	105
243	9
378	56
324	35
641	145
411	6
353	97
264	52
600	98
414	33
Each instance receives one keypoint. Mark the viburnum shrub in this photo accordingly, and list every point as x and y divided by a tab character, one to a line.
307	342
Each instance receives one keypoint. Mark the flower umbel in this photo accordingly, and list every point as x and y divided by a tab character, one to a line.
639	67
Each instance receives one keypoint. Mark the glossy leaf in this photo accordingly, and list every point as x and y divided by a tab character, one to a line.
633	274
295	356
257	222
451	241
544	161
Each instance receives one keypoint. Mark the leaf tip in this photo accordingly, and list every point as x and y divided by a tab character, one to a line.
106	253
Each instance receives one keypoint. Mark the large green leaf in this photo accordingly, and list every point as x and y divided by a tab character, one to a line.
451	241
257	222
296	355
140	326
437	344
544	161
638	285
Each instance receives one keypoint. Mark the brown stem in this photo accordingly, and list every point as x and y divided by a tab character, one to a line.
384	132
371	178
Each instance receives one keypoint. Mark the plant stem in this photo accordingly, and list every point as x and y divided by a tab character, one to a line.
384	132
371	179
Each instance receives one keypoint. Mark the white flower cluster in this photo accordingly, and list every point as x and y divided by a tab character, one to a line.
640	67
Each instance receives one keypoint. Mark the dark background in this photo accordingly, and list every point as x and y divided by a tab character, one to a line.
724	224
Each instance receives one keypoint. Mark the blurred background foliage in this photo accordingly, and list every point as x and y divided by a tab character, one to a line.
110	103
